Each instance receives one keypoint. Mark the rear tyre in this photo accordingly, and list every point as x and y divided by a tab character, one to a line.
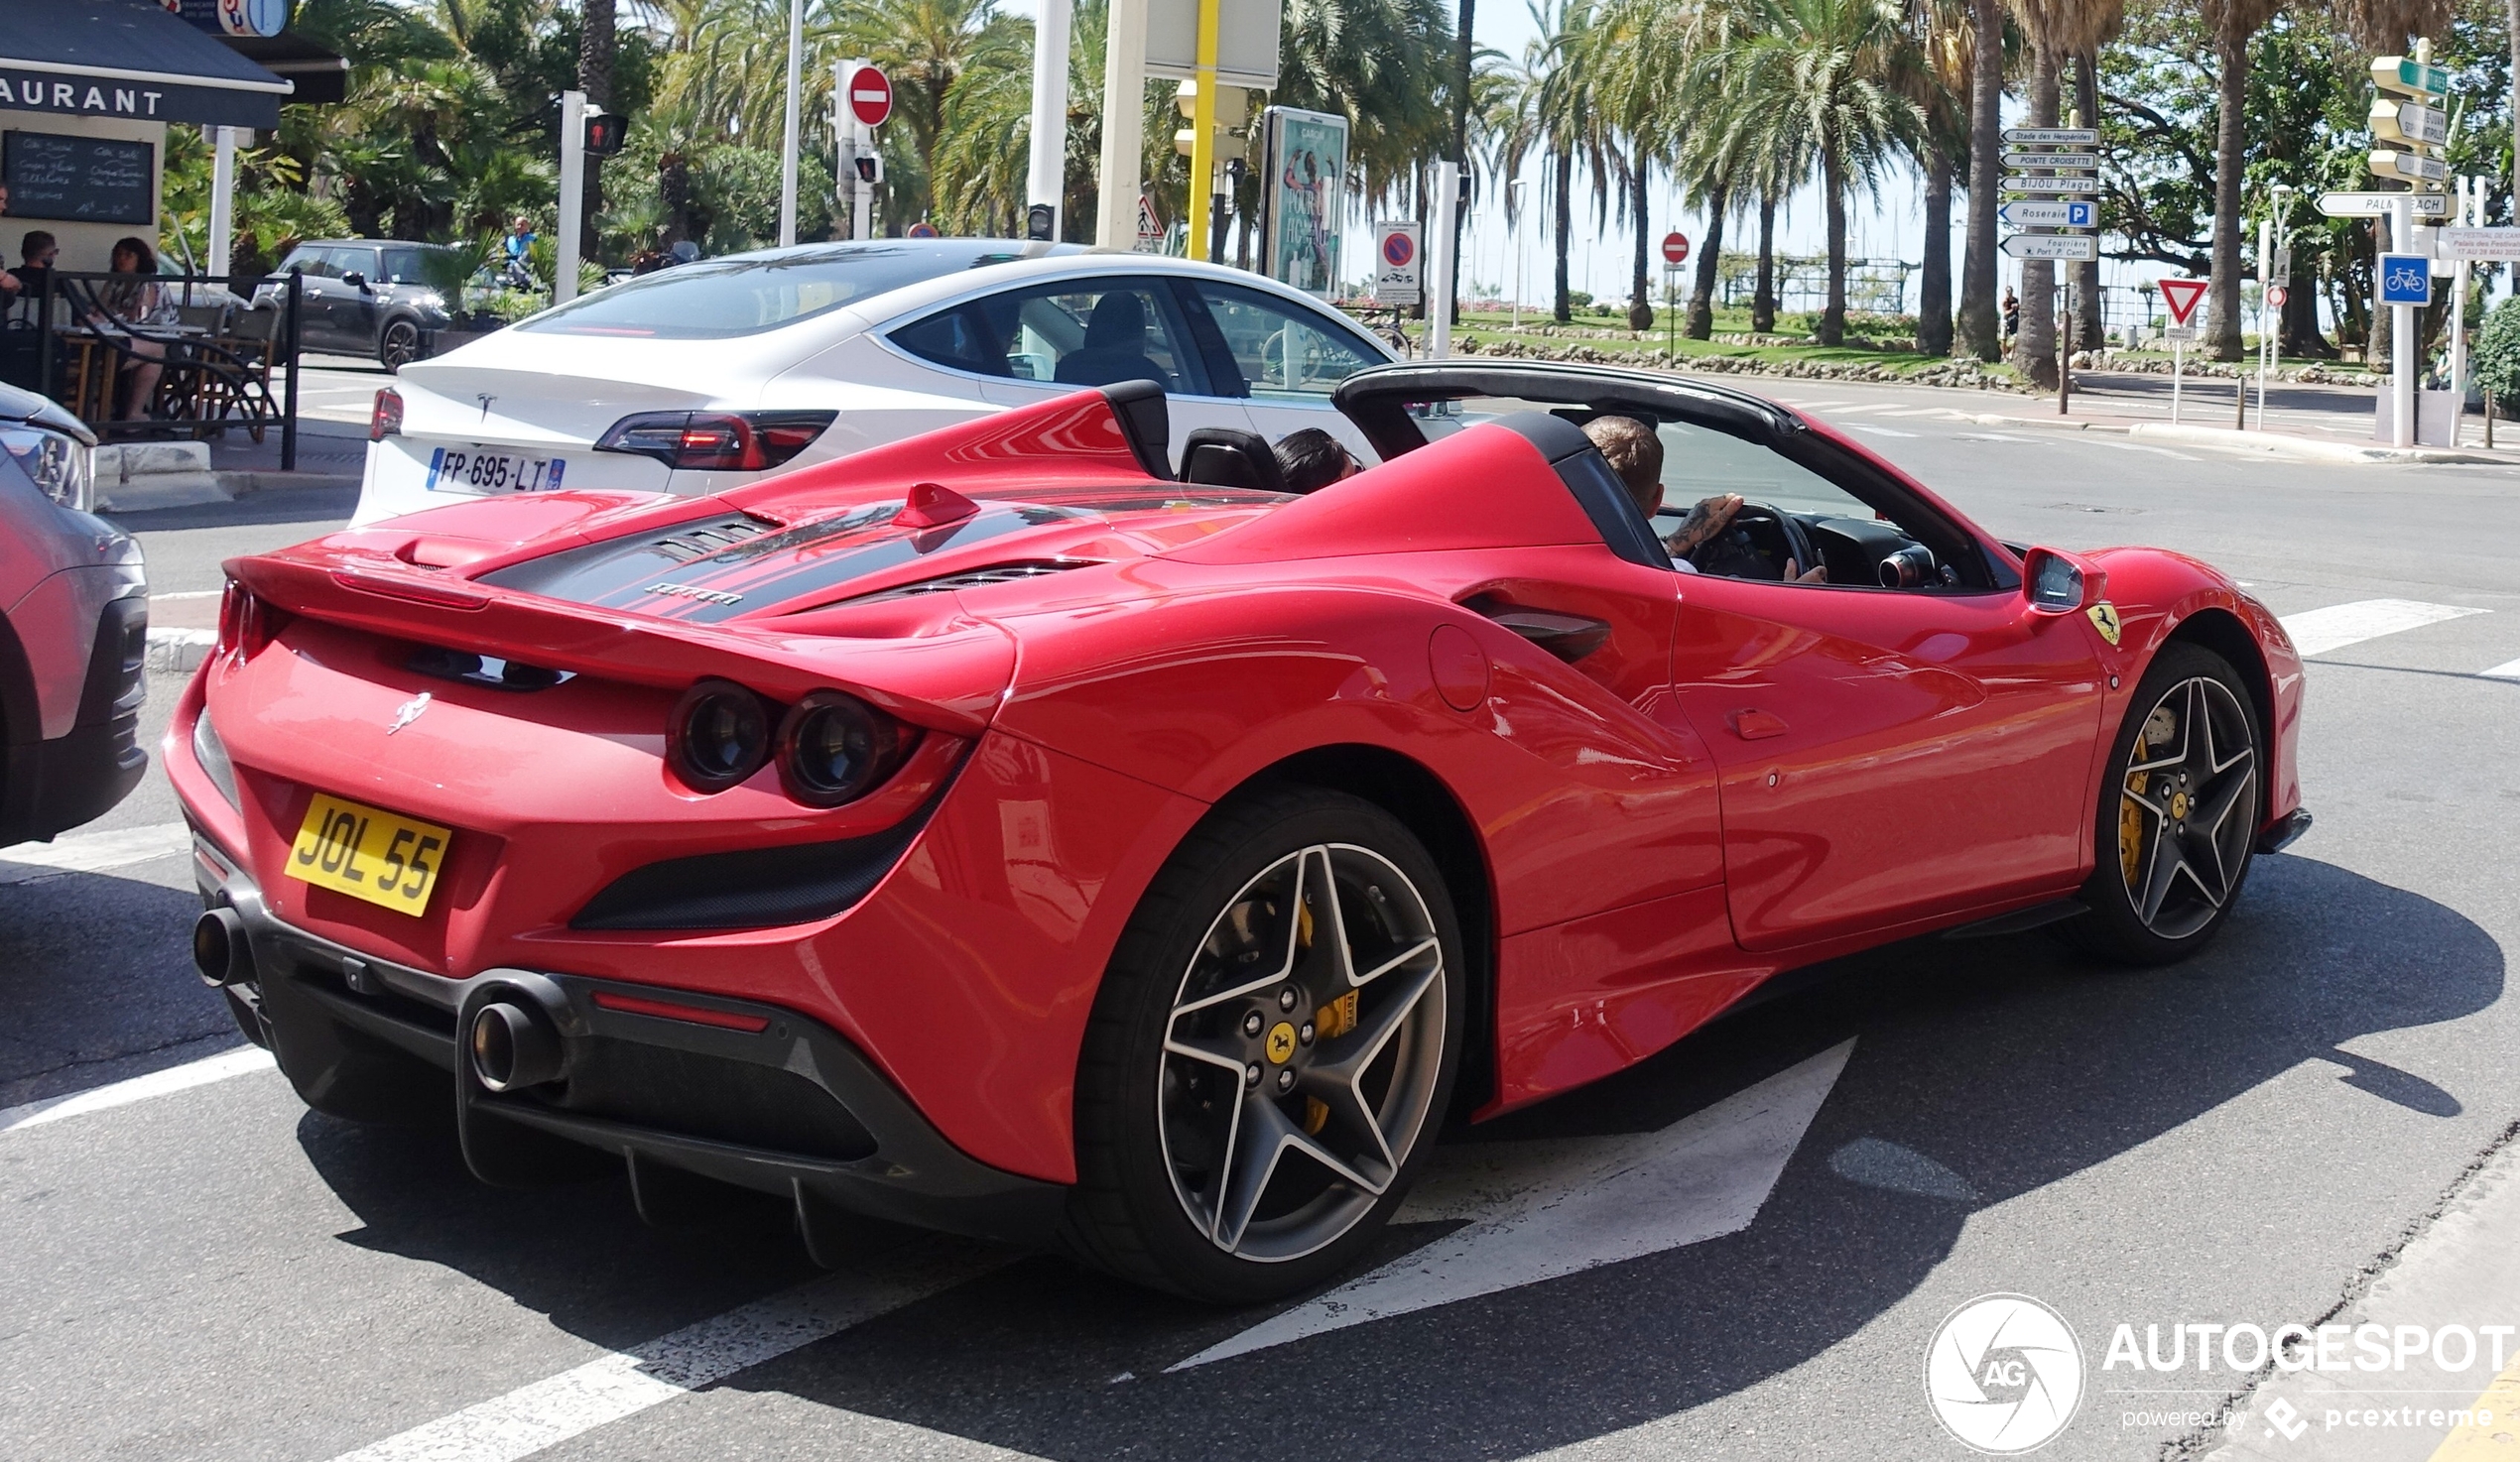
2179	813
1271	1052
398	345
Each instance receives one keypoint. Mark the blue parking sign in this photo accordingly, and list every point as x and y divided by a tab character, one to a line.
2406	279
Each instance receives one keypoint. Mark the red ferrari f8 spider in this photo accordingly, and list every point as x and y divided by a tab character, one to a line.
1001	831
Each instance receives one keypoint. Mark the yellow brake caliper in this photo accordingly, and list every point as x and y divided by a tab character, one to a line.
1333	1020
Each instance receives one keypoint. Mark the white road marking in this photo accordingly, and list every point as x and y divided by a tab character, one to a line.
187	594
2130	446
2509	672
625	1383
92	852
243	1060
1883	431
1542	1211
2319	630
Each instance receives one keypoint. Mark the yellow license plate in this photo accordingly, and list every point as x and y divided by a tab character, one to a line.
389	860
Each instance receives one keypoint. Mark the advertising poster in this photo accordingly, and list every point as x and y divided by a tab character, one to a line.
1306	157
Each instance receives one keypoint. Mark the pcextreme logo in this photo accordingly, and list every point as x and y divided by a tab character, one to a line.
2004	1374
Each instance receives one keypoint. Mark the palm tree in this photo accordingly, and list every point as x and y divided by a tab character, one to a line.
1826	76
1981	328
2234	22
1942	32
1566	123
2057	29
1382	64
596	46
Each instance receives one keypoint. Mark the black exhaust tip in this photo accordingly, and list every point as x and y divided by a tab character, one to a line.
513	1047
219	947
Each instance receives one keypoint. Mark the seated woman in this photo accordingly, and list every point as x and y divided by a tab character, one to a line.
124	308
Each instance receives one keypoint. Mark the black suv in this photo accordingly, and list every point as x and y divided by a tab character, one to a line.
364	297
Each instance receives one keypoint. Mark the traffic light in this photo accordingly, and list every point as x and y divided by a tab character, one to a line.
607	133
870	167
1038	221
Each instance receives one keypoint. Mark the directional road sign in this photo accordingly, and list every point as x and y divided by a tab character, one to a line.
871	96
2409	123
2051	136
2067	214
2409	78
2479	243
1675	249
2052	246
2179	296
2378	204
2051	159
2024	182
2413	167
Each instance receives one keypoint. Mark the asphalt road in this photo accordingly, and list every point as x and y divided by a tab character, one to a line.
214	1272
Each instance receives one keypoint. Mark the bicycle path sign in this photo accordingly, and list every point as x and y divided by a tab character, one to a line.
2406	279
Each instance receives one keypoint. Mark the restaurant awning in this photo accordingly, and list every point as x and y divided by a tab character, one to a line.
128	59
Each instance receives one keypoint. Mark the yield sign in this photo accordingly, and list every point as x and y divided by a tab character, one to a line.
2181	295
871	96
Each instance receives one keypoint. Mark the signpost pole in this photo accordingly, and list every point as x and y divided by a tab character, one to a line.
2402	335
573	192
1046	178
795	124
2065	349
1439	262
2265	307
1123	126
2178	370
2469	213
222	195
1203	131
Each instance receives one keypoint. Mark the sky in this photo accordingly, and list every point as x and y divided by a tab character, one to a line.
1517	263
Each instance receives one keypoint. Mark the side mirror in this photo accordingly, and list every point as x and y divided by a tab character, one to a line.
354	279
2057	582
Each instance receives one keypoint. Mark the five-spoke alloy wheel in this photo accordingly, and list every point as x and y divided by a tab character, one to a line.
2179	815
1273	1048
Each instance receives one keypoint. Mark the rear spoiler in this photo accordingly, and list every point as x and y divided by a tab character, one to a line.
950	681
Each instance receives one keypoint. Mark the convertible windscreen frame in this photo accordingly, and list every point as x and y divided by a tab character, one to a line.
1387	403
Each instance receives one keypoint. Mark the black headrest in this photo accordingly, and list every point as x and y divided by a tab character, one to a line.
1223	457
1148	419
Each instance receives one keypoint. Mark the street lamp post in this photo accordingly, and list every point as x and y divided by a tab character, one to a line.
1515	191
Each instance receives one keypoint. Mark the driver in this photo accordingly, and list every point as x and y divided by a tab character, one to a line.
1635	453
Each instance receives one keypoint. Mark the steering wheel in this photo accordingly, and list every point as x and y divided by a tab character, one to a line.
1758	525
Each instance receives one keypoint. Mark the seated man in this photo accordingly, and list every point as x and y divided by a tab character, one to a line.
1312	458
1635	453
1114	349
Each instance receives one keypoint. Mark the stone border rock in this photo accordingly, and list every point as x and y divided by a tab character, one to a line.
1960	374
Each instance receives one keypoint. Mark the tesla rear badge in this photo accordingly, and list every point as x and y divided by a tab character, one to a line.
2104	620
485	397
408	712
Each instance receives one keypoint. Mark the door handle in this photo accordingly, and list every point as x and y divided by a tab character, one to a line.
1757	725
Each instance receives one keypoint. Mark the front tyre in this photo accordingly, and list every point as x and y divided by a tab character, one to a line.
1271	1052
2179	814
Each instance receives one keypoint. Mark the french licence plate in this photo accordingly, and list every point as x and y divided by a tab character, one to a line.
481	469
365	852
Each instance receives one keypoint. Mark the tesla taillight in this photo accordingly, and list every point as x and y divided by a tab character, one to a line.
716	441
386	417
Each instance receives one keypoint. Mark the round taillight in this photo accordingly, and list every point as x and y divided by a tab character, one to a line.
719	735
834	748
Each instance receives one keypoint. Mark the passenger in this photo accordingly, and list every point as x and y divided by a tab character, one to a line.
1634	451
1312	458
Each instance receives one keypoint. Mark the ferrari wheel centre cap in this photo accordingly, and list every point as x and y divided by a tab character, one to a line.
1280	1042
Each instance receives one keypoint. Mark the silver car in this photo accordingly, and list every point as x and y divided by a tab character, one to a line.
73	631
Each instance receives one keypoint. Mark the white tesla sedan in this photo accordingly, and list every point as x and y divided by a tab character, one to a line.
709	375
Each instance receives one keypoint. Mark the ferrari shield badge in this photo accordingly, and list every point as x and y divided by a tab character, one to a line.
2105	619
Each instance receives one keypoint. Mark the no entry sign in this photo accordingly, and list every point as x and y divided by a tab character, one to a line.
2276	294
1675	247
871	96
2180	297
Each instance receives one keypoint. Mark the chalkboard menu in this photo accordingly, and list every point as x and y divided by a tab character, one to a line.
86	179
